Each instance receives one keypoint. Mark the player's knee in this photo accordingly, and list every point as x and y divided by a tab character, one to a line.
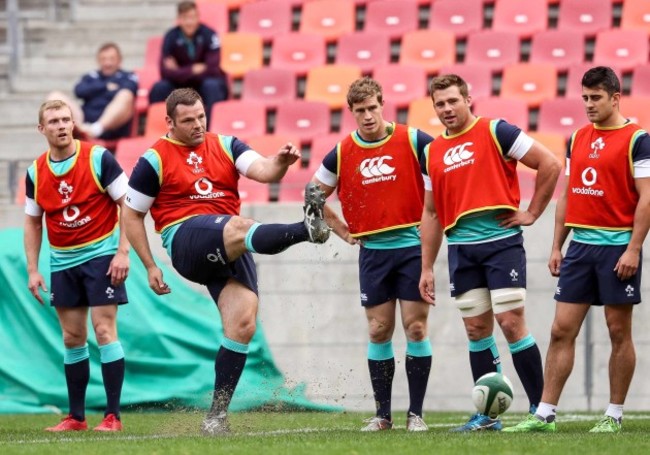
416	330
474	302
380	331
245	329
507	299
74	338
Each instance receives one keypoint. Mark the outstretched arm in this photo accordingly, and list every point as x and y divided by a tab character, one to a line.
272	169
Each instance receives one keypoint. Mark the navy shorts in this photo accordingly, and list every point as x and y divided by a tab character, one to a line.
199	254
493	265
86	285
389	274
587	276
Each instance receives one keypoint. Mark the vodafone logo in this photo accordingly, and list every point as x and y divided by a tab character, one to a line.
203	186
376	167
71	213
457	154
71	216
589	176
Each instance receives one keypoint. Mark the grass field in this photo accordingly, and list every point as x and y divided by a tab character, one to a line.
315	433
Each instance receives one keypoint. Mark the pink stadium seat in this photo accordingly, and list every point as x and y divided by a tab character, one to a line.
364	49
478	78
461	17
251	191
525	18
624	49
348	123
391	18
513	111
574	79
269	86
321	146
269	144
401	83
328	18
130	149
530	82
292	185
303	119
641	81
214	14
561	48
584	17
239	118
561	116
152	52
636	109
492	49
268	19
147	77
298	52
429	49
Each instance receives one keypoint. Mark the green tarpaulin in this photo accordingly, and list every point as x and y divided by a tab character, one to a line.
170	343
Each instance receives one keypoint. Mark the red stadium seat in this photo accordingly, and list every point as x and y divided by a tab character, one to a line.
303	119
328	18
641	81
329	84
461	17
130	149
366	50
269	86
298	52
574	79
147	77
268	19
635	108
530	82
624	49
321	146
513	111
292	185
492	49
401	84
478	78
269	144
561	116
524	18
587	18
561	48
349	124
153	51
429	49
391	18
239	118
214	14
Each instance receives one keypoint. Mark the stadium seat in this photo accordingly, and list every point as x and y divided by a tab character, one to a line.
492	49
268	19
130	149
429	49
330	83
513	111
561	48
561	116
421	115
348	123
239	118
292	185
230	4
251	191
401	83
574	79
624	49
391	18
269	86
556	143
214	14
328	18
636	15
155	124
298	52
147	77
524	18
641	81
303	119
152	52
269	144
322	145
530	82
584	17
365	50
478	78
461	17
240	53
636	109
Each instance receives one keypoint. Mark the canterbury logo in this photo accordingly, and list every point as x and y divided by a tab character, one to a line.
458	154
376	167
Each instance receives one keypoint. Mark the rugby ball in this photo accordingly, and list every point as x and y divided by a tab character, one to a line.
492	394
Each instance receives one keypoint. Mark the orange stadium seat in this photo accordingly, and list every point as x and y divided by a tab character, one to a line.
429	49
328	18
525	18
574	79
478	78
587	18
492	49
348	123
624	49
391	18
214	14
239	118
321	146
636	109
401	83
421	115
461	17
561	48
240	53
155	124
641	81
330	83
268	19
636	15
303	119
130	149
251	191
298	52
530	82
556	143
514	111
561	116
269	86
364	49
269	144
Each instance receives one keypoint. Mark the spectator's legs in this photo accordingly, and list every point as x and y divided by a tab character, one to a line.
213	90
160	91
118	112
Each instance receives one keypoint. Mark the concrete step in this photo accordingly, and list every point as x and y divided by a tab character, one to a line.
22	143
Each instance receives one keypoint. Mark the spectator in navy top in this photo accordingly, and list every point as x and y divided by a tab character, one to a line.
107	94
191	55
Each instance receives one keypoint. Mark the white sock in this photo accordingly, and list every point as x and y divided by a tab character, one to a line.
615	411
546	410
96	129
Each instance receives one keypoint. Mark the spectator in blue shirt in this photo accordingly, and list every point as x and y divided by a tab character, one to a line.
191	55
107	94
